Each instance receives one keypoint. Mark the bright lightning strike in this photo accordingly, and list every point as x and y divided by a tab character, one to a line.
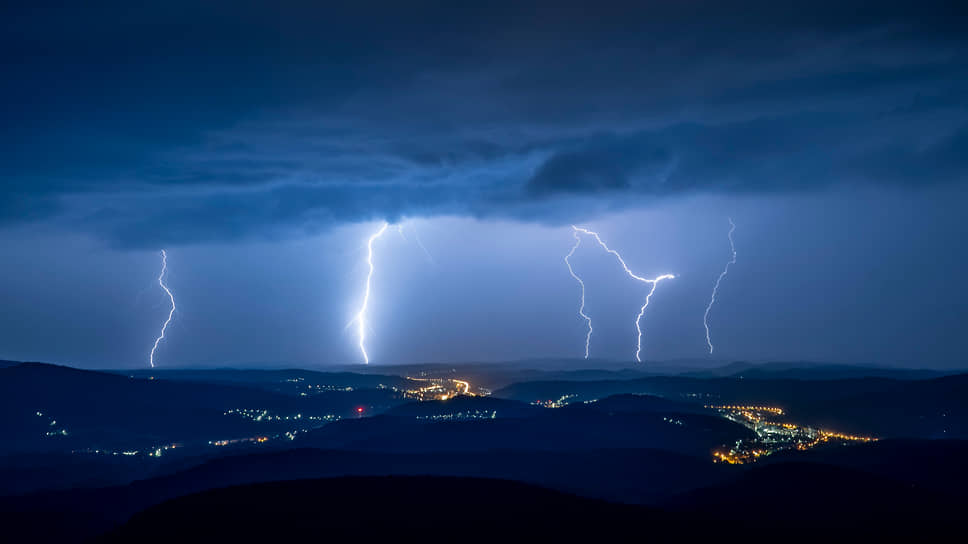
361	316
161	282
638	319
581	309
712	299
652	282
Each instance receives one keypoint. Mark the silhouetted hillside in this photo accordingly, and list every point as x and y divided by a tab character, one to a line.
289	381
936	408
466	407
33	472
493	375
55	408
701	390
390	509
822	497
932	464
933	408
640	476
779	496
649	444
792	500
587	428
810	371
636	404
793	371
77	514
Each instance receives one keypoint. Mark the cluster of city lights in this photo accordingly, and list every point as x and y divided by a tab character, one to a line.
772	435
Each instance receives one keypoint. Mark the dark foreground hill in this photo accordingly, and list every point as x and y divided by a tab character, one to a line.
392	509
825	490
634	476
395	508
825	497
932	464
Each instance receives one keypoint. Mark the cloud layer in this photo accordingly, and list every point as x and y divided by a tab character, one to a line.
181	124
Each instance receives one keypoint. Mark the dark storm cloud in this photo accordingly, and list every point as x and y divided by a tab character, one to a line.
765	155
181	123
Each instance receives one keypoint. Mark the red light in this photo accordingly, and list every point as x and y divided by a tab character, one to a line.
359	410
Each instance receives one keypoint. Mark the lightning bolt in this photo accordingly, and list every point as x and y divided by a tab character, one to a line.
581	308
161	282
361	316
638	319
712	299
652	282
416	238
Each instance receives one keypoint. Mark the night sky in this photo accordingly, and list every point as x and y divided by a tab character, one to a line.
261	146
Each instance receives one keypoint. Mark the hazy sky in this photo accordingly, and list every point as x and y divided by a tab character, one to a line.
261	146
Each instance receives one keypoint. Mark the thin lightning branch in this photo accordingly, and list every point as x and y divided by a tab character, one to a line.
416	238
361	316
712	299
581	309
161	282
652	282
613	252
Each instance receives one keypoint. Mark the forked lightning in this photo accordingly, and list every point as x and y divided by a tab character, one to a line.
652	282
